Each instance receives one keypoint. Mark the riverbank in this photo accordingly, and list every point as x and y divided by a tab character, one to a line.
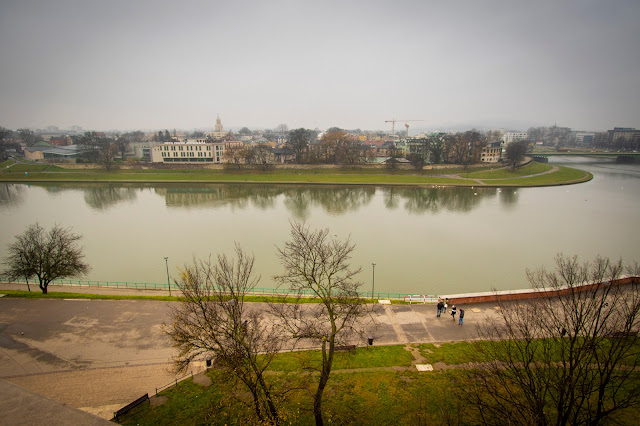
530	175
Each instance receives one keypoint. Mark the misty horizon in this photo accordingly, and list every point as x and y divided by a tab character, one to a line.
455	65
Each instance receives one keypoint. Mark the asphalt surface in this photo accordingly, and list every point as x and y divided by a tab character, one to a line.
99	355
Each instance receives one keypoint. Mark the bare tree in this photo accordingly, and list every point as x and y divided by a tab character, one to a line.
46	255
515	152
299	141
258	155
282	129
317	264
214	321
570	358
98	148
28	137
235	154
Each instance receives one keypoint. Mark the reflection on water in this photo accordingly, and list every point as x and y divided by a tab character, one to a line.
102	198
11	195
98	196
334	200
423	240
298	199
458	200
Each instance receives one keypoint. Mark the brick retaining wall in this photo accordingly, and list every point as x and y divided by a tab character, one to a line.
530	294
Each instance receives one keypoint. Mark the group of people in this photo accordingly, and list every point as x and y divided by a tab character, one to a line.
442	309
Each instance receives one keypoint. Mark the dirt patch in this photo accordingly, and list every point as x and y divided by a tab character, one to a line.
416	356
202	379
158	400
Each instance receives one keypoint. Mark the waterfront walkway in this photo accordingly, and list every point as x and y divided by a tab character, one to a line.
99	355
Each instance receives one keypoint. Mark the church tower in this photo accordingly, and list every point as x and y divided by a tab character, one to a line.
218	125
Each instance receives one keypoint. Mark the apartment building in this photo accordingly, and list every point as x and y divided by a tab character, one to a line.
492	152
514	136
196	151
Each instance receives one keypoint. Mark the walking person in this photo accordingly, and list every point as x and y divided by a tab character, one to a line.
439	306
453	312
446	304
460	317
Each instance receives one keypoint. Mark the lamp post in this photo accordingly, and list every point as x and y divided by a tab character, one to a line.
166	261
373	280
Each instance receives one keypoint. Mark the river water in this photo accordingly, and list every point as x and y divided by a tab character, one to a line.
423	240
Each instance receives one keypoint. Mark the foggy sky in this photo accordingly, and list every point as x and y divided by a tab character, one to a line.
353	64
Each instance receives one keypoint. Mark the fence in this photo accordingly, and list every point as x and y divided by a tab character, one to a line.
258	291
174	383
420	298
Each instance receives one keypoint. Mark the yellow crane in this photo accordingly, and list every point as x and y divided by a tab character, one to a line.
393	125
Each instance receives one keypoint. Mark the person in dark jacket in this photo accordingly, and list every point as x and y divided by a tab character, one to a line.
440	306
453	312
461	317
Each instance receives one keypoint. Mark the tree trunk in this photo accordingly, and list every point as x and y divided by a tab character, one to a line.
327	362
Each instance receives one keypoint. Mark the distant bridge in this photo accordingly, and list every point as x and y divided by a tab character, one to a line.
585	154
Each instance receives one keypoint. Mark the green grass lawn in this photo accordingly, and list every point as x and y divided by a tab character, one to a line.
21	168
363	357
201	176
563	175
505	172
496	177
35	293
354	394
381	398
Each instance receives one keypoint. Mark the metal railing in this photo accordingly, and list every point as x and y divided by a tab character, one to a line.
258	291
174	383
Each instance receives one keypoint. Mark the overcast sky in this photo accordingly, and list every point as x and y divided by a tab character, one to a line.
353	64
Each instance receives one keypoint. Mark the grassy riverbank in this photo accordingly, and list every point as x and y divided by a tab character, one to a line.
373	385
533	174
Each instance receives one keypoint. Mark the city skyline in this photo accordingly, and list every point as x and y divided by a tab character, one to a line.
455	65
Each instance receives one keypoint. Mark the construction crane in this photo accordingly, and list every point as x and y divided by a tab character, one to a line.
393	125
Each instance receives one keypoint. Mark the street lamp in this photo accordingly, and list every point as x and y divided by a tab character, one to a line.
373	280
166	261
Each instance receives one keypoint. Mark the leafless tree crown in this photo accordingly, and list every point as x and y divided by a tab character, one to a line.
569	357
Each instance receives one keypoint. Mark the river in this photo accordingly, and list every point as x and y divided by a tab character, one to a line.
423	240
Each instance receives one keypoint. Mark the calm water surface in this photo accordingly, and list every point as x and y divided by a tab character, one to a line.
423	240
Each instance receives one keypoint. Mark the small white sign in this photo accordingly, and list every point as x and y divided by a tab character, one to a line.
424	367
384	302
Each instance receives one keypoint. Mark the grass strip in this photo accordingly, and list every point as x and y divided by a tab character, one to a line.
564	175
362	357
505	172
37	294
355	179
346	176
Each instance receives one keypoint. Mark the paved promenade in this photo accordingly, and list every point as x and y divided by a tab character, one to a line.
99	355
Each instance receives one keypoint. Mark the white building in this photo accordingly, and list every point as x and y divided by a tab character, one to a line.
584	138
514	136
195	151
